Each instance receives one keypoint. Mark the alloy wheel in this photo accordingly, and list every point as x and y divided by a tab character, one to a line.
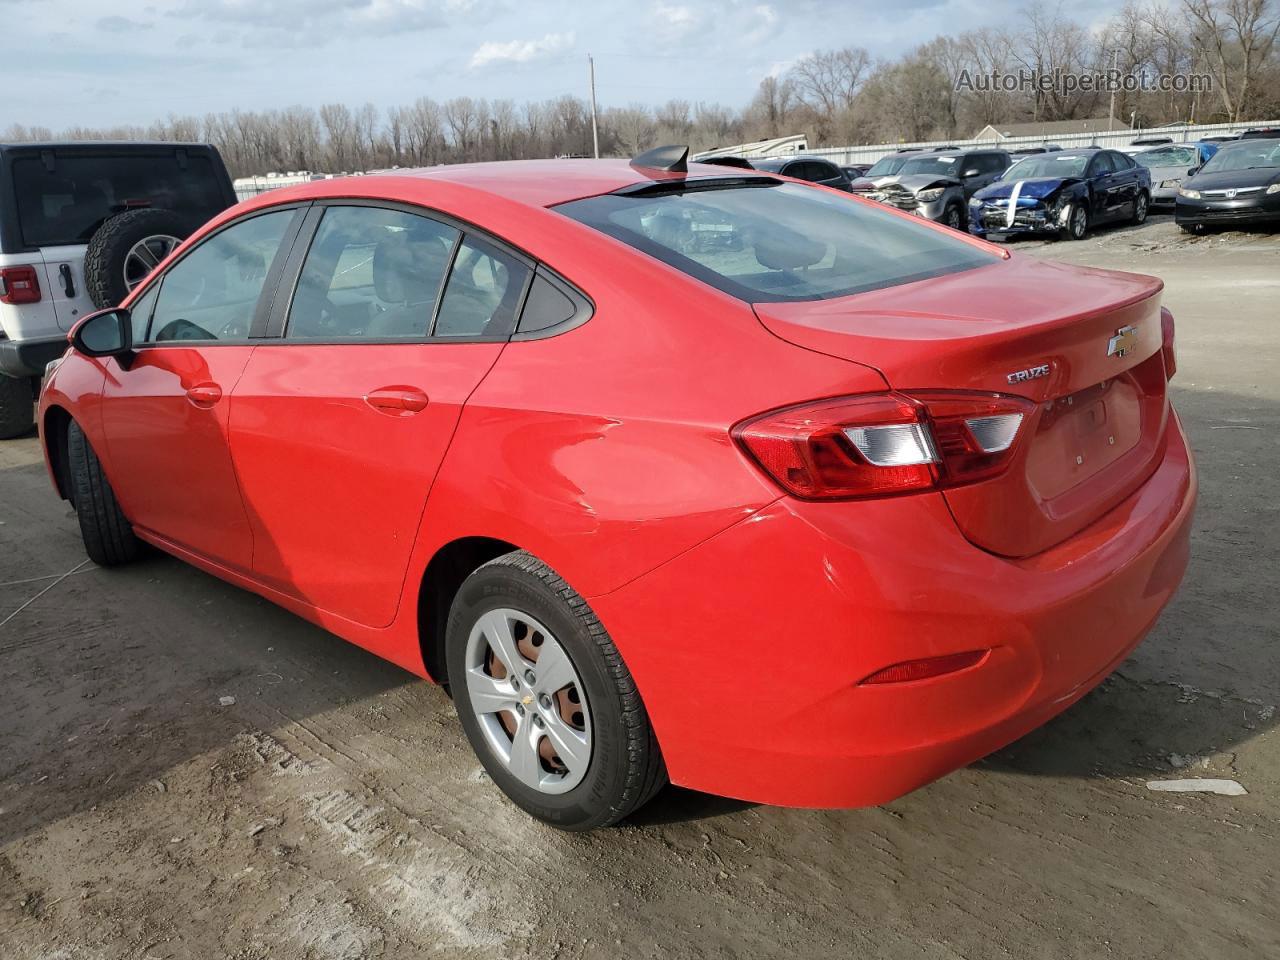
1079	222
529	701
953	218
145	255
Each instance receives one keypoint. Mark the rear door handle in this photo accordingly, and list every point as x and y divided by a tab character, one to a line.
204	395
397	401
68	285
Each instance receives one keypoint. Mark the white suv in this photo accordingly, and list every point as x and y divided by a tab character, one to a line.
80	225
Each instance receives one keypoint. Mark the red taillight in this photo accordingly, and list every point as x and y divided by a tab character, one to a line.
884	444
1166	348
927	667
19	285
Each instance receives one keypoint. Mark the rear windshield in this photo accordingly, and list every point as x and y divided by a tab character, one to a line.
67	204
778	241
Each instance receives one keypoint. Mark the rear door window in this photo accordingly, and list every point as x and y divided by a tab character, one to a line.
485	288
65	204
371	274
777	241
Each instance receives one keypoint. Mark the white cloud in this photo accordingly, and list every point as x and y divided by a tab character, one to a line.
759	23
521	51
675	20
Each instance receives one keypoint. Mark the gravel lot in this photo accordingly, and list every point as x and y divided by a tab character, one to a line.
335	811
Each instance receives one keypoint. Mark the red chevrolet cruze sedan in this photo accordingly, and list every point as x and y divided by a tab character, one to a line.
670	472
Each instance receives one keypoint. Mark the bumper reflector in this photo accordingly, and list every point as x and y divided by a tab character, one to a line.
926	667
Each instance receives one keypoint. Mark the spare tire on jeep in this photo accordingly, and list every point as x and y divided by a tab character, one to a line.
126	248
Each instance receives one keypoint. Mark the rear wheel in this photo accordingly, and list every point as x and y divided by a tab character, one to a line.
1141	207
17	406
108	536
545	699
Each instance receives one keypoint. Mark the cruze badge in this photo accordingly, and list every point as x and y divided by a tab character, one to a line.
1126	339
1031	373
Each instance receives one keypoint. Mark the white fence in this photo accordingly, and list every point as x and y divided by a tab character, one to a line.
1116	138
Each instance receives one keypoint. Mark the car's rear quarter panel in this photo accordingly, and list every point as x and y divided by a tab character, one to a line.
605	450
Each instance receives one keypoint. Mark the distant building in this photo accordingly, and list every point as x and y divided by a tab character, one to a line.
1049	128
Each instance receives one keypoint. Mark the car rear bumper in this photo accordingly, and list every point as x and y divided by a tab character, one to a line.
752	680
28	358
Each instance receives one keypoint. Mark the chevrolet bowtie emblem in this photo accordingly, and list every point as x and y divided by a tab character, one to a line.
1126	339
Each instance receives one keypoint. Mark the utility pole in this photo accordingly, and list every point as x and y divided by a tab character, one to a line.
595	131
1111	111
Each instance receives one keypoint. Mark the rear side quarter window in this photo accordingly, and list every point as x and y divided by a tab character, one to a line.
551	307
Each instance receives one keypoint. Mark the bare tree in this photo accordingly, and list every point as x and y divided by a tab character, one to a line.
829	80
340	132
1236	38
462	119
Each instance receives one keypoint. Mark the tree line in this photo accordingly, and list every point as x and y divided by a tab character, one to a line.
835	97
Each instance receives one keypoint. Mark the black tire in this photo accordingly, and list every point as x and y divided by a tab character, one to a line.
108	250
17	406
1077	221
1141	207
626	768
953	217
108	536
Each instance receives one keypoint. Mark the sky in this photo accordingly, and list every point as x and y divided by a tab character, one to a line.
76	62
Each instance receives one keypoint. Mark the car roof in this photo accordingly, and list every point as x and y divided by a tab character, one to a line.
545	183
1251	144
35	145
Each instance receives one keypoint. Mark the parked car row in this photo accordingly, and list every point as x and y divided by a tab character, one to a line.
1048	190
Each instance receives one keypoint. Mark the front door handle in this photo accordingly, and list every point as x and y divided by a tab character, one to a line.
397	401
204	395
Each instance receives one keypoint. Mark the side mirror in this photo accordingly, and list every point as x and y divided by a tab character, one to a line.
107	333
1191	172
971	172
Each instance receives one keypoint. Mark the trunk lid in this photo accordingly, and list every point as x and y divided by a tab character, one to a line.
1101	407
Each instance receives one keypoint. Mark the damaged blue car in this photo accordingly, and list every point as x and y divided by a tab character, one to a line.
1065	193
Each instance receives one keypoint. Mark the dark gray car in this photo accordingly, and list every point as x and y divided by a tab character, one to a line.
937	186
813	169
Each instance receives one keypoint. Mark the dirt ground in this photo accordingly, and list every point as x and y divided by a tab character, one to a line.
335	812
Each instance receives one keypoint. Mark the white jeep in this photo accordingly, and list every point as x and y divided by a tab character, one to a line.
80	225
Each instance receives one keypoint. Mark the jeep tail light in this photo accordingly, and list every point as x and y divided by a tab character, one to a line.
19	285
1166	347
885	444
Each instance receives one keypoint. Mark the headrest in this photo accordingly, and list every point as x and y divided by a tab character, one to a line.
408	269
787	250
